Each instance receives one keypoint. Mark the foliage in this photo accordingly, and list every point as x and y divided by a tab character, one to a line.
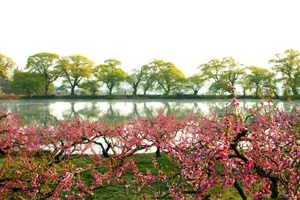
74	69
259	81
160	76
195	83
167	74
5	86
221	71
135	77
6	64
47	65
110	74
149	78
91	86
288	64
29	83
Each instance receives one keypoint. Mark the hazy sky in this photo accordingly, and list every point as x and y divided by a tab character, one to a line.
185	32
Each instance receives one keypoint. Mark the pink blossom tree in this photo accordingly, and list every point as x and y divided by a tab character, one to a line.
255	150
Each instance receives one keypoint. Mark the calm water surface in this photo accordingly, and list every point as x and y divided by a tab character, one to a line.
44	111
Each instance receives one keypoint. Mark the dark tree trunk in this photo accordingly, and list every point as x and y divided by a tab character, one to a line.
145	92
168	90
274	188
46	89
134	91
110	91
2	152
105	150
257	91
158	154
240	190
73	90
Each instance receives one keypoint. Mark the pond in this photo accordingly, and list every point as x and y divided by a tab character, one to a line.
44	111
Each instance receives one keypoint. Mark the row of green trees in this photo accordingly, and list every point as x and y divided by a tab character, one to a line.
43	69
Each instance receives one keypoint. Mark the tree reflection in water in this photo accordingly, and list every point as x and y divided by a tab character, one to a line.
50	111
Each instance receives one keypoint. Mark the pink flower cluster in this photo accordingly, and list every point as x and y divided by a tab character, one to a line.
258	148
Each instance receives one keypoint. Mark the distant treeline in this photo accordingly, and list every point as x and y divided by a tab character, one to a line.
80	76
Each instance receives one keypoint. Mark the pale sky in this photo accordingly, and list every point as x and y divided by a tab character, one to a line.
185	32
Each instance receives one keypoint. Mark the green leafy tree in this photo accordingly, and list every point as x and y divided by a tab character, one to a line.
168	76
45	64
180	88
110	74
28	83
62	89
149	78
74	69
258	80
135	77
90	86
6	64
219	88
212	69
288	65
219	72
5	85
233	72
195	83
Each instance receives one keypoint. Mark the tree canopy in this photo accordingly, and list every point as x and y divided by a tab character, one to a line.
167	75
135	77
195	83
110	74
47	65
288	65
6	64
258	80
165	78
221	71
74	69
28	83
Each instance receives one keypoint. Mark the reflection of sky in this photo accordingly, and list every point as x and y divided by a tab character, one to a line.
58	108
113	109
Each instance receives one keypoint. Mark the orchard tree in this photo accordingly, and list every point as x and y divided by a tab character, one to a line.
231	151
29	83
6	64
45	64
110	74
74	69
167	75
254	150
288	65
39	161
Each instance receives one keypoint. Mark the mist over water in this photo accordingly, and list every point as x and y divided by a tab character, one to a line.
50	111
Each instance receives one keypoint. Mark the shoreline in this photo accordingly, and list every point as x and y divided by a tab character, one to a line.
142	97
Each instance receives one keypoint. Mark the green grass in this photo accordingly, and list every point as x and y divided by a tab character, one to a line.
144	163
116	191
